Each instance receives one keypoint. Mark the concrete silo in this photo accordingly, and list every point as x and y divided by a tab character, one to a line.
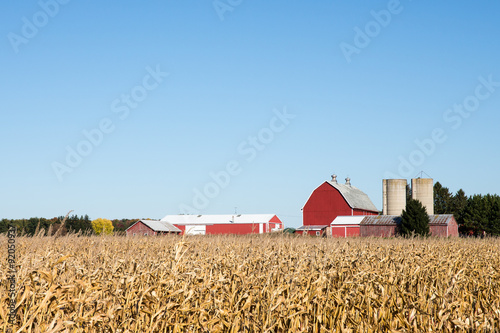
422	189
394	196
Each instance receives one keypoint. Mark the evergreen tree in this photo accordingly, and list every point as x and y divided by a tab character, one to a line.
414	219
86	223
35	223
474	218
75	223
4	225
493	227
458	203
442	199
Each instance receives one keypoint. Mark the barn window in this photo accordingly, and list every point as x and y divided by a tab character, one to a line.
145	234
134	234
317	233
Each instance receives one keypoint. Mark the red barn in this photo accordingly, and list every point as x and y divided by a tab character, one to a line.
380	226
312	230
332	199
386	226
240	224
151	228
346	226
443	225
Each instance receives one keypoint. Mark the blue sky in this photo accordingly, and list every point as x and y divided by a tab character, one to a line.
206	106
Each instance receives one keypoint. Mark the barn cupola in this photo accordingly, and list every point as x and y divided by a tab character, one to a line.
334	178
348	181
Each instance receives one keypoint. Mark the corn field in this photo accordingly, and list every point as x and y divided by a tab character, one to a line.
252	284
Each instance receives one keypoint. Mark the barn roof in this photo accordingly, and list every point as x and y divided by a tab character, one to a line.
158	226
381	220
342	220
355	197
219	219
443	219
311	227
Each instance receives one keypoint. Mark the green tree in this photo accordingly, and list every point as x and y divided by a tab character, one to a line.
493	227
414	219
75	223
4	225
474	216
481	214
102	226
34	224
443	203
458	203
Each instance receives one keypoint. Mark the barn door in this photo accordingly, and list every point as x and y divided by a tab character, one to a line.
196	229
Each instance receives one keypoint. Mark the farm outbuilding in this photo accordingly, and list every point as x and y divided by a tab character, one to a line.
332	199
239	224
380	226
443	225
151	228
346	226
312	230
387	225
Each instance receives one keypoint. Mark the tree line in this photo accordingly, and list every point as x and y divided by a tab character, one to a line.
73	224
475	214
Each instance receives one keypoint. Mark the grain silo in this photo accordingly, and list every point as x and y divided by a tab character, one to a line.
394	196
422	189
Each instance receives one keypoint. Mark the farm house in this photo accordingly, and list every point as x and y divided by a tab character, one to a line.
151	228
332	199
239	224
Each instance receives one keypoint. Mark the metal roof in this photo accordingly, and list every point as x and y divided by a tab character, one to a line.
381	220
159	226
312	227
219	219
443	219
354	220
354	196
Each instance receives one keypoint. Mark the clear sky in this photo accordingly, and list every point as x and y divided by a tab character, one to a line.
137	109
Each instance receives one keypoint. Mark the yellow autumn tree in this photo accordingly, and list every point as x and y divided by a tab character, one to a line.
102	226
